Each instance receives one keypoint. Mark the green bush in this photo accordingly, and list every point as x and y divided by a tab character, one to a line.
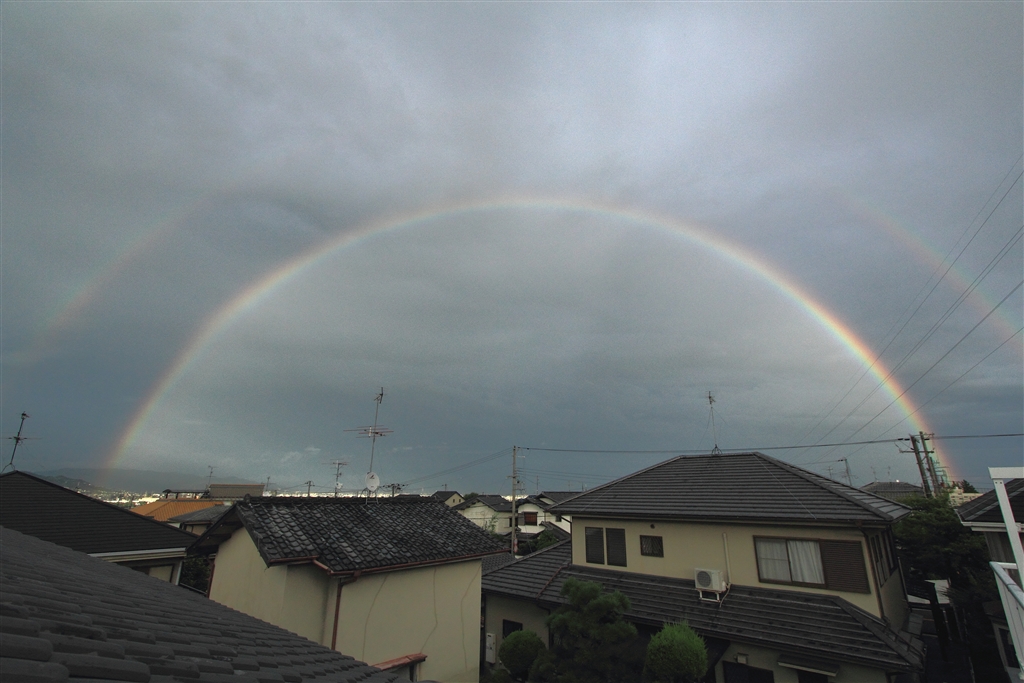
676	654
518	651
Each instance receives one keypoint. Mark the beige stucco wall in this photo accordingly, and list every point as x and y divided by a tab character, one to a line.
498	608
292	597
433	610
164	572
486	518
762	658
692	545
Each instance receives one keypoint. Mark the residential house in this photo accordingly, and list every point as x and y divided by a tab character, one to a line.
789	576
893	490
53	513
166	509
392	581
67	616
550	498
198	521
489	512
176	503
449	498
983	515
234	491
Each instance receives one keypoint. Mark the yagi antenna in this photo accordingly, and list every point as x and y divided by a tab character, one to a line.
17	439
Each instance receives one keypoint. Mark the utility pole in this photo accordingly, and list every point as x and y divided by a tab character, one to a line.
515	487
936	483
338	464
920	467
309	487
209	479
849	479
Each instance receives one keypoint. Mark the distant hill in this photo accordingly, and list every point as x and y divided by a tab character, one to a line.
137	481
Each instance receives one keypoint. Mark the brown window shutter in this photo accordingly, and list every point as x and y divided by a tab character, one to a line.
843	562
616	547
595	544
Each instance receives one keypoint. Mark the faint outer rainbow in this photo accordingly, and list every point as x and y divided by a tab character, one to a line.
912	242
216	323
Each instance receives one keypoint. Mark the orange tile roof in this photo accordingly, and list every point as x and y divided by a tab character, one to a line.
163	510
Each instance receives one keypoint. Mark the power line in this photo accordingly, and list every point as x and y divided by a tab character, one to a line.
941	358
945	316
760	448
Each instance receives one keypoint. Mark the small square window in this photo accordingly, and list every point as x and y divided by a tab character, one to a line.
508	626
530	518
652	546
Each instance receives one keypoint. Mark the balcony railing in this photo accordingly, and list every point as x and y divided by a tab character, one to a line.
1012	597
1010	592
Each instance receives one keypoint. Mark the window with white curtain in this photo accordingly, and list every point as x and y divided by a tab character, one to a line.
782	560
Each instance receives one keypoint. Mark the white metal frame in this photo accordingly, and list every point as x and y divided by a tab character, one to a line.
1010	592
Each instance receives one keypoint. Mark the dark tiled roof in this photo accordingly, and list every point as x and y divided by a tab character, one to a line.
806	624
444	495
210	514
742	486
985	508
560	533
67	614
53	513
350	534
234	491
492	562
559	496
893	490
493	501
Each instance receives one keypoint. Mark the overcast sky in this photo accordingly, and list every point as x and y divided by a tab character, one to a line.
545	225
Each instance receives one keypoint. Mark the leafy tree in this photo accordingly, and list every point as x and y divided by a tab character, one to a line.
676	654
966	486
518	651
592	642
933	544
195	573
544	539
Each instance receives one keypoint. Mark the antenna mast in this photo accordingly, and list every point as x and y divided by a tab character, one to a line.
17	439
714	430
372	481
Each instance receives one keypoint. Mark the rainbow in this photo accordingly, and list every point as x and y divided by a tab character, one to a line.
220	320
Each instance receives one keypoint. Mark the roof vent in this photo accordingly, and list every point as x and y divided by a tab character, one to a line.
710	581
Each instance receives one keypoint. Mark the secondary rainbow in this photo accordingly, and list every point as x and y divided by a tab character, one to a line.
219	321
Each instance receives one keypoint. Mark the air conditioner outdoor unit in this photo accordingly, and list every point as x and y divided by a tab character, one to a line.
709	580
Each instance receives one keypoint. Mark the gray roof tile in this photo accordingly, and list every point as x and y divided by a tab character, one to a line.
53	596
741	486
53	513
350	534
985	508
811	625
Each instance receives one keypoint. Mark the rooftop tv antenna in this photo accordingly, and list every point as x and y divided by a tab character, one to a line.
372	480
714	430
338	464
17	439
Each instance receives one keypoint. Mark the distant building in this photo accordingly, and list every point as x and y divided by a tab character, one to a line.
893	490
449	498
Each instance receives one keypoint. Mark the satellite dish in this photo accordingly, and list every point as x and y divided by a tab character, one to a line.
372	481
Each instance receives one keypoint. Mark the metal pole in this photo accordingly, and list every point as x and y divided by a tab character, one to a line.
515	524
920	466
